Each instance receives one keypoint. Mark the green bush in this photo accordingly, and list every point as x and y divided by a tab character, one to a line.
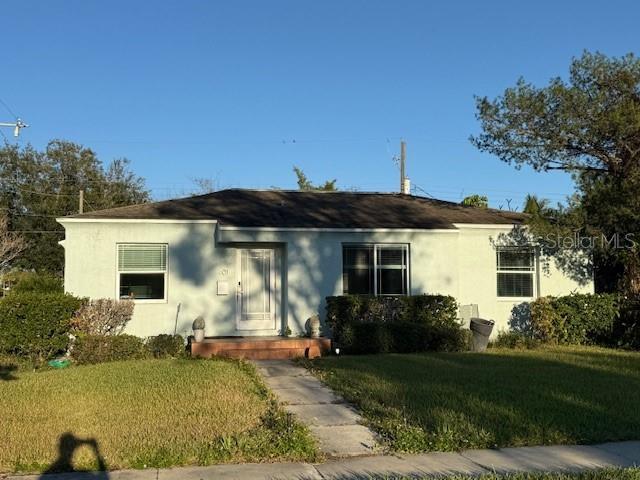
36	282
626	330
163	345
511	339
108	348
36	324
367	324
578	319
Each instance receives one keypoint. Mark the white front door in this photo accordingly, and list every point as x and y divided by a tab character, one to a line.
256	285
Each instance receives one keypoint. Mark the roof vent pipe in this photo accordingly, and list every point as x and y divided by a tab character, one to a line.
406	186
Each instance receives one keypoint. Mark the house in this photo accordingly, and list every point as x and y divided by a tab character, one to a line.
261	262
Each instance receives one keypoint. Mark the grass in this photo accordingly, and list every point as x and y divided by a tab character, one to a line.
453	401
146	413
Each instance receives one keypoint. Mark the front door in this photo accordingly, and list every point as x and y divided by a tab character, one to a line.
256	285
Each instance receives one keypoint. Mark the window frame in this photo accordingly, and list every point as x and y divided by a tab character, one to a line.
406	247
165	296
533	271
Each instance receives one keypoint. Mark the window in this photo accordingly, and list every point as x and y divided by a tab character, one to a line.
516	271
375	269
142	271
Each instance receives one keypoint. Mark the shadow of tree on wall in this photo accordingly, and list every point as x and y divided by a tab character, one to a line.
189	263
68	443
313	261
520	319
576	263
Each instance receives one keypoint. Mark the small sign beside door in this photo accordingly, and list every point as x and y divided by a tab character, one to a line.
223	287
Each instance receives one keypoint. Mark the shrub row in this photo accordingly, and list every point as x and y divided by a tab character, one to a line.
109	348
38	321
36	324
578	319
367	324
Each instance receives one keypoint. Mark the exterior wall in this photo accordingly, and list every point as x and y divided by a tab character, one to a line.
194	263
478	276
461	263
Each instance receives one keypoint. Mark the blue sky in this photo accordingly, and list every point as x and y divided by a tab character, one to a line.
240	91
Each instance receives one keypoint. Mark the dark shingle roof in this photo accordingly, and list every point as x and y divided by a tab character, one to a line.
298	209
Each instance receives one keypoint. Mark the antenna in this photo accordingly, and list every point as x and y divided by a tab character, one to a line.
17	126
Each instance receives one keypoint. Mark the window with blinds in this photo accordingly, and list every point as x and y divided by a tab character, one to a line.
375	269
516	272
142	270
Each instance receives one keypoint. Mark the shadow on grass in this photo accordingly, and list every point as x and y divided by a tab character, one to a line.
6	372
68	443
498	399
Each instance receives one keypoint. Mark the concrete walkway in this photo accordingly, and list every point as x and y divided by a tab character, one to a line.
428	465
333	422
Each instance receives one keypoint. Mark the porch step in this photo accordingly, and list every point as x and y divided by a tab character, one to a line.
261	348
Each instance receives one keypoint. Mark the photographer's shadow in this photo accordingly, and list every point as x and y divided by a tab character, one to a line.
67	445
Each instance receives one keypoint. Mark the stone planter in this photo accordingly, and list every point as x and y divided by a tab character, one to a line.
198	335
314	326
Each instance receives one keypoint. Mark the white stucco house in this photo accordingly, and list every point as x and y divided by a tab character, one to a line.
256	263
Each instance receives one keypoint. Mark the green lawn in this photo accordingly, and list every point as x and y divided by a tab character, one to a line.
141	414
452	401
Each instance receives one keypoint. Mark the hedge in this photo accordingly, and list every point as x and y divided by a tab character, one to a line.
36	324
368	324
165	345
578	319
108	348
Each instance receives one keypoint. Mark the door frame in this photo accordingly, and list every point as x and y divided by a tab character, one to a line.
272	291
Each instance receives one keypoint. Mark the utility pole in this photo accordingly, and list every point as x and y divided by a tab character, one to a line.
404	181
81	202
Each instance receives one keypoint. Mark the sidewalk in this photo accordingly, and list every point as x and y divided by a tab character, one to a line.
470	462
335	424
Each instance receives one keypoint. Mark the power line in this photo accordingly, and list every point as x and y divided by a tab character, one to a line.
34	192
420	189
8	109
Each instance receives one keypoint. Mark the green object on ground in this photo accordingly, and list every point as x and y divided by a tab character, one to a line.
59	363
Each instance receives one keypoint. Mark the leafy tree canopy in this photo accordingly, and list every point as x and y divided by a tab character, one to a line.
476	201
305	184
38	186
589	126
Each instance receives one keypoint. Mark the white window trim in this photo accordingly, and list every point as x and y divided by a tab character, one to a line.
534	277
165	298
374	246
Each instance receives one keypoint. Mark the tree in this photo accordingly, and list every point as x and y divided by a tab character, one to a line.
38	186
535	206
11	245
476	200
589	126
305	184
203	185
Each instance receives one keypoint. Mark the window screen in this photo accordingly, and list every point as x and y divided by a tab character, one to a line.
516	272
375	269
357	270
142	270
391	270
